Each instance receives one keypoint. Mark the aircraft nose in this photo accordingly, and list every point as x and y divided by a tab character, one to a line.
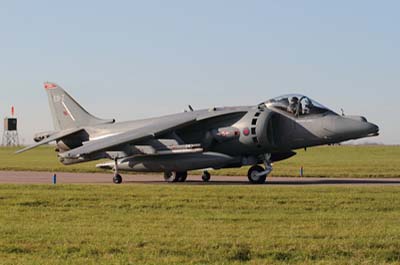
351	127
372	129
365	127
361	127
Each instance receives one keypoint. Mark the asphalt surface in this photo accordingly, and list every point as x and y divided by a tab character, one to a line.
27	177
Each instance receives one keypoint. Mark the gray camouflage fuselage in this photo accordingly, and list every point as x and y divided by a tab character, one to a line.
269	132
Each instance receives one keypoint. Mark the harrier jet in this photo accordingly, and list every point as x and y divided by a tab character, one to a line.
219	137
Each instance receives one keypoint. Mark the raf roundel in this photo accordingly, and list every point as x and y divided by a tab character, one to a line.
246	131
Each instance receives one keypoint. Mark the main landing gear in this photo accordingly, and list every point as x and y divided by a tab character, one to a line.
117	179
257	174
206	176
175	176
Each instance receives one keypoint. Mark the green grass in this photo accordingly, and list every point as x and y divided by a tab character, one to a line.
43	158
334	161
180	224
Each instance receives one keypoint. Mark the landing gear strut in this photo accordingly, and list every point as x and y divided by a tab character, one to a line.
206	176
175	176
257	174
117	179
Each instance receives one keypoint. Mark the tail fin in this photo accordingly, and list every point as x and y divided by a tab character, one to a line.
66	112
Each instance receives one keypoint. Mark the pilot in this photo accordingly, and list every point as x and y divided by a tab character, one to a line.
294	102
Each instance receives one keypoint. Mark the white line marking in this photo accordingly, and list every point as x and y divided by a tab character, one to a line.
69	112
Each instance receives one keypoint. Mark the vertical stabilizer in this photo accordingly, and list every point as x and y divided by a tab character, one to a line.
66	112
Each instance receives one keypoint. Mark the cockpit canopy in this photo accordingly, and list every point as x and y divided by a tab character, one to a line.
296	105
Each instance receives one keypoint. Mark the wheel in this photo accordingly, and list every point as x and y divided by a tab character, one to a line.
254	177
117	179
182	176
169	177
172	176
206	176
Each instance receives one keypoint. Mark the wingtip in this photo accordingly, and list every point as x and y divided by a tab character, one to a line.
23	150
19	151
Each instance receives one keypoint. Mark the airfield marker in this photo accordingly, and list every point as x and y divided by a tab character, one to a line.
55	179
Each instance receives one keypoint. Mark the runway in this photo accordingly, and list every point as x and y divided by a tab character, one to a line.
27	177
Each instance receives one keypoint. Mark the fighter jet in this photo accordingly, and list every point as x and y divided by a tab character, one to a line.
216	138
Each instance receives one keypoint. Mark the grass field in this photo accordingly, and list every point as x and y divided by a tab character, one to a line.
334	161
164	224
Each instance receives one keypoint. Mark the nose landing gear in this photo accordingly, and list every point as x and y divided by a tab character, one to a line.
257	174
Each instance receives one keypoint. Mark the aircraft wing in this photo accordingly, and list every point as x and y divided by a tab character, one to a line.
53	137
115	142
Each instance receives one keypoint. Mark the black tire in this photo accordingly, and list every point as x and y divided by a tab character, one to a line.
182	176
206	176
253	171
171	177
117	179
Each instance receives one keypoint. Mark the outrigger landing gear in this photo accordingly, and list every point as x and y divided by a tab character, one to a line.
206	176
257	174
117	179
175	176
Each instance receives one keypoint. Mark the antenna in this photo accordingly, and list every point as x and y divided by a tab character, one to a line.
190	108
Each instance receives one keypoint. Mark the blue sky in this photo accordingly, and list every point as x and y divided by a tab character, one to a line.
136	59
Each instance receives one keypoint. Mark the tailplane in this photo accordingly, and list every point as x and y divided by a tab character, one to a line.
66	112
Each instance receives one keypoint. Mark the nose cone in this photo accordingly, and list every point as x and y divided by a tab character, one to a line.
348	128
372	129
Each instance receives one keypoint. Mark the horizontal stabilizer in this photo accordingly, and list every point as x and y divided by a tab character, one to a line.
51	138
